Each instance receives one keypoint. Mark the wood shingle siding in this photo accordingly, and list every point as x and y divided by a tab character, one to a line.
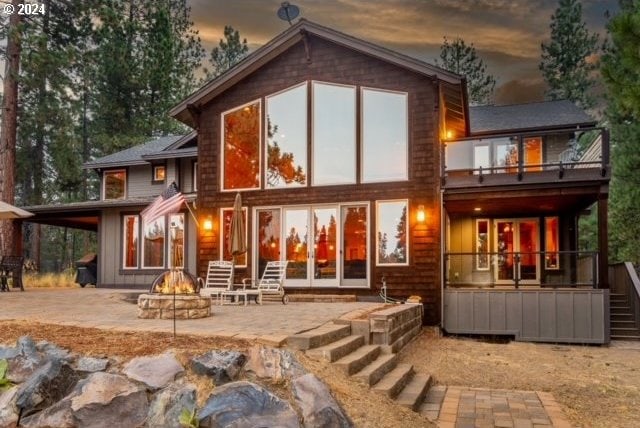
332	63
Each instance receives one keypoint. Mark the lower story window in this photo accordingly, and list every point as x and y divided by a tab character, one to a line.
155	245
551	243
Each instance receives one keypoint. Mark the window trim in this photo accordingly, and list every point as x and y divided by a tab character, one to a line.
124	242
164	246
407	225
475	240
546	251
194	175
104	183
312	168
265	143
260	143
156	167
362	142
245	211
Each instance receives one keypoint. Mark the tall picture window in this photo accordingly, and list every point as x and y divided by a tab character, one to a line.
226	215
286	132
334	134
482	244
551	243
391	232
176	241
114	184
131	233
268	237
241	148
153	243
384	136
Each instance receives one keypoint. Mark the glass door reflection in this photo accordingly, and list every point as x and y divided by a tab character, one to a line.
296	234
325	246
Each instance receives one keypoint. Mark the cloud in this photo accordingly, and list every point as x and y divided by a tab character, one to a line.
520	91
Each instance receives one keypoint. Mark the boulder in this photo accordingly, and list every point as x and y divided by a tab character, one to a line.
53	351
273	363
48	385
319	408
26	361
105	400
168	404
91	365
8	352
245	404
155	371
8	408
222	366
102	400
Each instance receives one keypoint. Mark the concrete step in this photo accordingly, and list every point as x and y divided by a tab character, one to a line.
336	350
394	381
372	373
357	360
414	392
317	337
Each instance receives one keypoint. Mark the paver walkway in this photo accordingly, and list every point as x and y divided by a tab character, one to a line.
105	309
463	407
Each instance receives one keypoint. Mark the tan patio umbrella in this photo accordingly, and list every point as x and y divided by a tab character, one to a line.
237	241
8	212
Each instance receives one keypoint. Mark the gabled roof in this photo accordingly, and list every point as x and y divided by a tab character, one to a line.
284	41
138	155
527	117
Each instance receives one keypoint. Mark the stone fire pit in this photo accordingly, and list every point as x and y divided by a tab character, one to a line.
188	306
177	286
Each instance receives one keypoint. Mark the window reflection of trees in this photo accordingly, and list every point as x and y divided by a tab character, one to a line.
242	147
398	253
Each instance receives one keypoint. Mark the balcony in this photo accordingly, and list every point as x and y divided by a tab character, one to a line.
561	269
549	157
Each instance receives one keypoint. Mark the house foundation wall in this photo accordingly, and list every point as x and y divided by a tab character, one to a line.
540	315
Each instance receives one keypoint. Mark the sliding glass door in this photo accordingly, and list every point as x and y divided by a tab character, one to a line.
326	245
518	254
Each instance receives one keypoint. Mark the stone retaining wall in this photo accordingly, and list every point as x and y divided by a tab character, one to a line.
392	328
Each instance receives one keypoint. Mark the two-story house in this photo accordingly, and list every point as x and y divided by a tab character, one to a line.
360	165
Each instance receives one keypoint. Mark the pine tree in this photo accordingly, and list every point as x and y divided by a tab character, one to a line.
566	59
229	52
621	73
459	58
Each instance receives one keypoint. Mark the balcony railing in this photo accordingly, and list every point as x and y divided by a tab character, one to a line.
543	269
549	155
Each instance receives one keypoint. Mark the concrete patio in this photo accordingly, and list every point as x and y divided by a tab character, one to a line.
105	309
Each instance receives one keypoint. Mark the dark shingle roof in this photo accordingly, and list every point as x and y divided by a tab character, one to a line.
521	117
133	155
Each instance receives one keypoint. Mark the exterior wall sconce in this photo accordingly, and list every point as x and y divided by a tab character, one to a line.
207	225
421	216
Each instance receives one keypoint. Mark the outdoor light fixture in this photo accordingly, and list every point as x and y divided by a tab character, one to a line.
421	216
477	209
208	224
449	134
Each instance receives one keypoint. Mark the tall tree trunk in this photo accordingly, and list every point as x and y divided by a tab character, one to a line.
9	128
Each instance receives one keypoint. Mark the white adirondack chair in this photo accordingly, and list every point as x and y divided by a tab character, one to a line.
219	279
271	283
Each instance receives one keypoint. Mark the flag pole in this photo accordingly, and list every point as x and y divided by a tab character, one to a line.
195	219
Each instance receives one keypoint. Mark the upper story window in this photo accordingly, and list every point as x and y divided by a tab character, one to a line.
384	136
114	184
159	173
287	138
334	134
241	148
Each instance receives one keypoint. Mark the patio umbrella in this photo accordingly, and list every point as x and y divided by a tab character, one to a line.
237	241
8	211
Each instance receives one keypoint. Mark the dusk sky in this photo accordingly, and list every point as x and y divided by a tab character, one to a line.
506	33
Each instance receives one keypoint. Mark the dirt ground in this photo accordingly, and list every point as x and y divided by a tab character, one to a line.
596	386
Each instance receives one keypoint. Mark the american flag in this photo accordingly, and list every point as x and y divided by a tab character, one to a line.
168	202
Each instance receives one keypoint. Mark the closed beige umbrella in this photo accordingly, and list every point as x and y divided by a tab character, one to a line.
237	241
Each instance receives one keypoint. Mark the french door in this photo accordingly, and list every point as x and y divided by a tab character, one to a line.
326	245
517	243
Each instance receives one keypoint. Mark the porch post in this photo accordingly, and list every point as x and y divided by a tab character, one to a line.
603	243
